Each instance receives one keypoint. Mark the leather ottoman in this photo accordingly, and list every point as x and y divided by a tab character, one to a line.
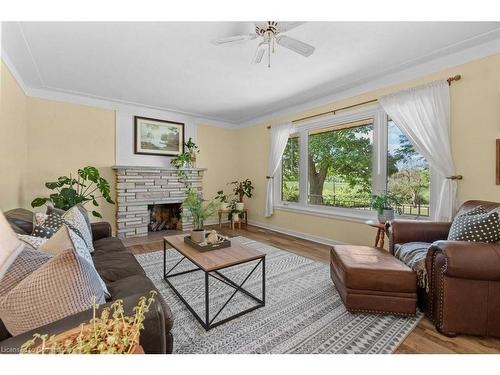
371	280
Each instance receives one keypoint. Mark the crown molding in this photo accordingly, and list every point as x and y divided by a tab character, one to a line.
475	48
400	74
50	93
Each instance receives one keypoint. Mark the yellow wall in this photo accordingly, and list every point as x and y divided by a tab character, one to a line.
63	137
42	139
13	145
219	152
475	124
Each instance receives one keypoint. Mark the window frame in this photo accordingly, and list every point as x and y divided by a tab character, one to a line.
379	170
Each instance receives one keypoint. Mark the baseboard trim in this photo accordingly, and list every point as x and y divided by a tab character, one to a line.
293	233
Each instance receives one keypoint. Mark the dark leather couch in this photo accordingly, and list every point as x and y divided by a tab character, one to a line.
463	294
124	278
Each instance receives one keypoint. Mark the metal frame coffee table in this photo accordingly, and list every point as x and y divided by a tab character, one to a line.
211	263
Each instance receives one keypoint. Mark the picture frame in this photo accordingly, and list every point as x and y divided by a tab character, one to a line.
158	137
498	162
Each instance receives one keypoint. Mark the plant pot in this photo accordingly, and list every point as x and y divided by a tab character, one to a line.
198	235
236	217
386	215
240	206
224	206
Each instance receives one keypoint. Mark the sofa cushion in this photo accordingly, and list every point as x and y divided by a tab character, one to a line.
108	245
21	218
116	265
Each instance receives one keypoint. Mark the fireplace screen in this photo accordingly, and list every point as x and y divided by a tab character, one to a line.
164	216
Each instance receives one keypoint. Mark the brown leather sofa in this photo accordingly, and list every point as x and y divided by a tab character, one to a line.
463	294
124	278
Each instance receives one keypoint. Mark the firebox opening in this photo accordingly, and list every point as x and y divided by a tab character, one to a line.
164	217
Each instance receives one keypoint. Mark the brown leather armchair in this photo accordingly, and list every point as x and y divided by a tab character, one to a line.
463	294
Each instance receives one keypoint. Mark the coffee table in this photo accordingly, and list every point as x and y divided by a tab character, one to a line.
211	263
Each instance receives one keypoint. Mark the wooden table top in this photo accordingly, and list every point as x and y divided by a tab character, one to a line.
375	224
214	260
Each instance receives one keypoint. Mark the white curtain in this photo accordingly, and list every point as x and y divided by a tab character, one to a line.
279	139
423	115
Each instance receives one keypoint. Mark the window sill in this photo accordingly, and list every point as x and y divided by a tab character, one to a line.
337	213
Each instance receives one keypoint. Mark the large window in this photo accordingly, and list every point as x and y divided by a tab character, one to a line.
336	165
408	174
340	165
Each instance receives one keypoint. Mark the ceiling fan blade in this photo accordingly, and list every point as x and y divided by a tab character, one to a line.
259	53
234	38
295	45
285	26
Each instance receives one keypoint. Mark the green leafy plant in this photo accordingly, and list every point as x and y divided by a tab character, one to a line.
243	189
185	159
381	202
72	191
199	209
221	197
233	210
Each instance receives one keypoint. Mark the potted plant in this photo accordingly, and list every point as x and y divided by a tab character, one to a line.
242	189
380	203
199	211
192	150
70	191
223	199
235	214
112	333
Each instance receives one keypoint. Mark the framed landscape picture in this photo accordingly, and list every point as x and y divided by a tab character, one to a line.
158	137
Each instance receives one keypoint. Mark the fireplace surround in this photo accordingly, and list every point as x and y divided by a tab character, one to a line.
140	188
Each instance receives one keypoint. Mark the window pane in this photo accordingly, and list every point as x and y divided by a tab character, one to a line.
290	171
340	165
408	174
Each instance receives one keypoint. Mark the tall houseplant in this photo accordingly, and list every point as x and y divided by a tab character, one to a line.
242	189
199	211
70	191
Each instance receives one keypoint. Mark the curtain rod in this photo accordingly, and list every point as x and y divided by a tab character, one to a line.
334	111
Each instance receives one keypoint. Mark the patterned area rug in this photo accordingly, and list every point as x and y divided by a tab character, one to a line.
303	311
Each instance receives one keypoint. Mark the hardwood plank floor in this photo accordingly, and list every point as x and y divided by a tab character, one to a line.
423	339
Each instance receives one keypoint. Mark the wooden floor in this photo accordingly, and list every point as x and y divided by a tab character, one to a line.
423	339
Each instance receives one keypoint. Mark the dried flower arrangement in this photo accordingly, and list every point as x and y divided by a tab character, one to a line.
112	333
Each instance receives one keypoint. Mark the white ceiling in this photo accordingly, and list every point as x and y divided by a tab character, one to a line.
174	66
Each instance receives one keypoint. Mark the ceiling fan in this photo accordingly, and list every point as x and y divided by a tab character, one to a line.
271	33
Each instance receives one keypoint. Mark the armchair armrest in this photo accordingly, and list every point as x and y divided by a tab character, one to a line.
403	231
100	230
467	260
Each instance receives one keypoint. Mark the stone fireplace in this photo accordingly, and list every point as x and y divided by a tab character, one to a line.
149	198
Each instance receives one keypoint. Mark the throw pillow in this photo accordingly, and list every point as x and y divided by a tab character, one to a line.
80	207
476	226
64	239
76	221
63	286
10	245
33	241
47	226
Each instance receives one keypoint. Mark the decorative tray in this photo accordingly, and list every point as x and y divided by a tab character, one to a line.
207	247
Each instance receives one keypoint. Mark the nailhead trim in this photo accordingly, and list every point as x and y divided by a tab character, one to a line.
406	315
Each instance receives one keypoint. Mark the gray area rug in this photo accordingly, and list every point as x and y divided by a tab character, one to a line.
303	312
